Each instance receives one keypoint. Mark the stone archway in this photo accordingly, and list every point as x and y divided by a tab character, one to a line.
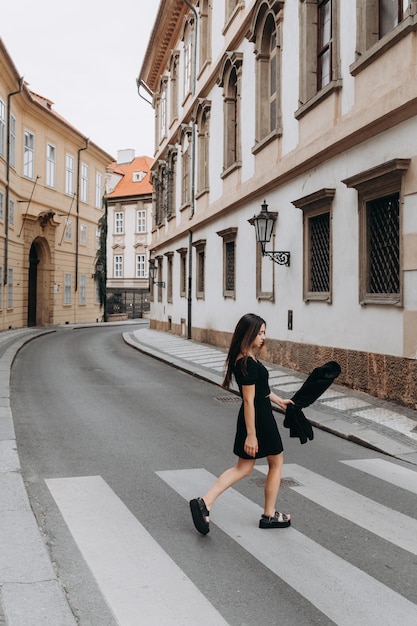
38	283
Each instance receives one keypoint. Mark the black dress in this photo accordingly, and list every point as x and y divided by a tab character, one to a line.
269	439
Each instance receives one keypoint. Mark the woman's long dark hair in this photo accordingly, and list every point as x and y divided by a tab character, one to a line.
245	333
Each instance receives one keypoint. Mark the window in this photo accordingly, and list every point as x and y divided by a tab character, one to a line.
83	234
171	186
68	229
99	190
188	57
69	175
186	170
28	152
319	51
391	13
204	33
265	32
118	266
50	165
169	256
378	19
84	183
162	110
229	79
141	266
12	136
173	85
119	222
11	212
183	271
1	206
203	140
10	288
317	215
98	238
2	128
141	221
67	288
229	261
379	198
1	288
83	289
230	7
200	249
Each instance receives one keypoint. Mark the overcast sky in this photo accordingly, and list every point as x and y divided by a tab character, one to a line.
85	56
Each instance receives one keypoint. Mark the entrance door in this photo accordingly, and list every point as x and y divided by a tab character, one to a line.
33	280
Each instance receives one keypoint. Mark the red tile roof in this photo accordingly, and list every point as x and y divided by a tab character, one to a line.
127	186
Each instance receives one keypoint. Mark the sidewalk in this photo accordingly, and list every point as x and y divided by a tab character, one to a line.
30	592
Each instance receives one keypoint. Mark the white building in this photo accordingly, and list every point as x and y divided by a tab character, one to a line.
129	203
311	106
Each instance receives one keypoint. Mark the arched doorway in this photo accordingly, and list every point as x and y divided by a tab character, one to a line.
40	302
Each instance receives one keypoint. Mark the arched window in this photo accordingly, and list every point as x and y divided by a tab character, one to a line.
230	79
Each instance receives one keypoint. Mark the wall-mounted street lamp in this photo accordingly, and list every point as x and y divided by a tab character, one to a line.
264	224
152	273
99	269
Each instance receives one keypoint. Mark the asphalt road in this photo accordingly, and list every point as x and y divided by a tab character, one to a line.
87	405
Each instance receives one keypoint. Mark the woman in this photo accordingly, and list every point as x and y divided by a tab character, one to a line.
257	434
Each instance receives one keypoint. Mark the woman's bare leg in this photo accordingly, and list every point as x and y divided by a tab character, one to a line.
272	483
231	476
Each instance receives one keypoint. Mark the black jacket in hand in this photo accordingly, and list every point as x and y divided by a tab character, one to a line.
319	380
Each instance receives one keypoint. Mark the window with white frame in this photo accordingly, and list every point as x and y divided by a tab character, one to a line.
67	287
173	85
141	266
83	289
188	57
99	190
83	234
203	126
28	153
118	222
141	221
2	128
69	174
68	229
204	32
10	288
230	80
12	138
1	205
84	183
50	165
118	266
11	212
162	109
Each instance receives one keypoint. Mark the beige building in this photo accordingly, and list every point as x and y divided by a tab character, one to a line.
311	106
129	232
51	188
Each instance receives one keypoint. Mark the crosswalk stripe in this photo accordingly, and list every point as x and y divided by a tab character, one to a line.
340	590
139	581
392	526
389	472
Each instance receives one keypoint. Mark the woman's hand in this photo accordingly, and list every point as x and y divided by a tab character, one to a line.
251	445
281	402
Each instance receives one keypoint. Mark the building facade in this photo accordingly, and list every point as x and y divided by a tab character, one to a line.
51	198
129	232
310	106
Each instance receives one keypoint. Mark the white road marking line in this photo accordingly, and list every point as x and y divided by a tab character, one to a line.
391	525
389	472
340	590
139	581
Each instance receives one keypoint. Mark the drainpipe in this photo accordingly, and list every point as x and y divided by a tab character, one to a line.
77	216
193	140
6	220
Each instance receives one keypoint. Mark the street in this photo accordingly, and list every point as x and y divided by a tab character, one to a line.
114	443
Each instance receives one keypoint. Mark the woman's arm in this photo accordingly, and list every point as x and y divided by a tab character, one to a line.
251	443
279	401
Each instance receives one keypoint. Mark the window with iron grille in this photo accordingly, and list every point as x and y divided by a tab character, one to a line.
200	248
383	239
317	209
380	197
183	271
229	261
